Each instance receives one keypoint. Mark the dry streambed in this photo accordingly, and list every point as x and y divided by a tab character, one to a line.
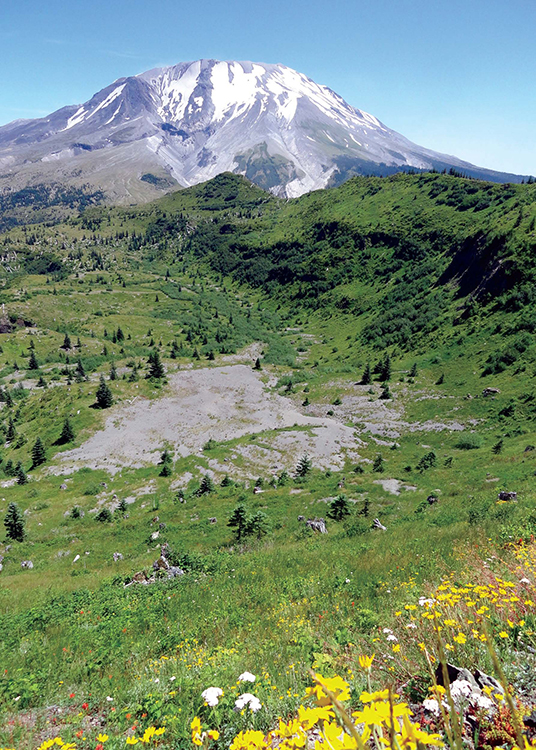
222	403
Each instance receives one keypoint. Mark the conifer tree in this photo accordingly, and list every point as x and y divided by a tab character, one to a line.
66	342
206	486
258	525
156	368
385	373
79	369
120	336
20	474
11	430
386	393
39	455
67	432
413	371
366	378
33	364
113	372
378	464
239	521
304	466
14	523
41	383
104	394
166	463
339	508
257	365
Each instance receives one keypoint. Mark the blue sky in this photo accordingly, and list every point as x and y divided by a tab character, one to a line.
457	77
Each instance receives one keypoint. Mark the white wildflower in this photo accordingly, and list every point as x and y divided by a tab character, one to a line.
430	704
247	699
246	677
211	696
392	637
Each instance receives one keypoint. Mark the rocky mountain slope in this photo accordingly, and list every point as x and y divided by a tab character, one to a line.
181	125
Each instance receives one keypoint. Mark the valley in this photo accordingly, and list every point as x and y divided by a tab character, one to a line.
261	359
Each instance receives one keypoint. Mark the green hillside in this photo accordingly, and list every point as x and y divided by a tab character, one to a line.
374	342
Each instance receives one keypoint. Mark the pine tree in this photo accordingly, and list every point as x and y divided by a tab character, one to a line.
497	448
11	430
258	525
386	393
20	474
32	344
257	365
104	395
441	379
39	455
413	371
8	398
156	368
41	383
385	373
66	342
9	469
120	336
133	375
304	466
378	464
226	481
14	523
166	463
366	378
67	433
79	369
339	508
113	372
33	364
239	521
206	486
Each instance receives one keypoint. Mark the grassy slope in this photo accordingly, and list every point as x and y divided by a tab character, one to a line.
284	600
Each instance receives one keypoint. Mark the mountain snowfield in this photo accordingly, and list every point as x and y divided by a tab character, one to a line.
181	125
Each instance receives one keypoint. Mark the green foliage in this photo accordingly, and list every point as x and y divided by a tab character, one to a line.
339	508
378	464
67	433
156	368
14	523
304	467
104	516
39	455
104	397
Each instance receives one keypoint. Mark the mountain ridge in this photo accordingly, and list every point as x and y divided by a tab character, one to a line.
184	124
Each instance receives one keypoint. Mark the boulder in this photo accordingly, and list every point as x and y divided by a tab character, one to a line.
63	486
213	520
317	524
490	391
431	499
376	524
507	496
117	556
27	564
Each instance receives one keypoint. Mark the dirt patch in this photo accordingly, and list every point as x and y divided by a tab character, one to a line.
384	419
394	485
222	403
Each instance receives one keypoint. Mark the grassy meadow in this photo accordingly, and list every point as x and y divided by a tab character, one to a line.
432	273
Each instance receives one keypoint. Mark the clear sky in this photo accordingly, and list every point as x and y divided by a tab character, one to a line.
457	76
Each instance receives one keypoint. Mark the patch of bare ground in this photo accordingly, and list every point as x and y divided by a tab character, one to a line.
223	403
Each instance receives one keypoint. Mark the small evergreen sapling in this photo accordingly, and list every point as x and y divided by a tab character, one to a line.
339	508
239	521
304	466
104	395
14	523
366	378
67	432
166	463
22	478
33	364
39	455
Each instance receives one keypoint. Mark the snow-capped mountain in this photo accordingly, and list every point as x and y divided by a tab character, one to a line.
184	124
